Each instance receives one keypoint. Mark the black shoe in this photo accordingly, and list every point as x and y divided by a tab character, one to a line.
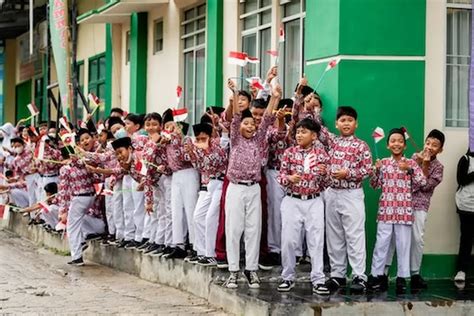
252	279
275	258
265	263
286	286
192	255
358	285
152	247
77	262
195	259
167	251
334	284
143	245
378	283
84	246
123	243
91	237
207	262
401	286
222	264
383	282
417	282
321	289
132	244
177	253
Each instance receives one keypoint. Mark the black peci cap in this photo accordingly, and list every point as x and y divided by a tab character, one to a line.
122	142
202	128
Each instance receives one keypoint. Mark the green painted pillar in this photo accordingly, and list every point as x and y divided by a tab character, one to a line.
214	53
138	61
381	73
108	68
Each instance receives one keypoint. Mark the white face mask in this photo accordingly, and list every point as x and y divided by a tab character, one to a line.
121	133
18	150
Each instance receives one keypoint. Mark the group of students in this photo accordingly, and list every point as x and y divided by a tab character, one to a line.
264	171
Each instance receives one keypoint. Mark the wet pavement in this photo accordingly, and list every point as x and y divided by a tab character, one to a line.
35	281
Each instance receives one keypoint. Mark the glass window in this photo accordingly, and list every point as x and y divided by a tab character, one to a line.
158	36
97	81
458	57
194	40
127	47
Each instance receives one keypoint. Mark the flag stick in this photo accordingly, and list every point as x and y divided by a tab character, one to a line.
93	112
376	151
320	80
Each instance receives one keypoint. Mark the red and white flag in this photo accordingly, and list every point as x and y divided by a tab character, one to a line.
237	58
179	93
281	37
252	60
140	166
100	128
407	136
69	139
39	150
180	115
332	64
378	134
44	206
33	109
93	99
33	129
4	209
98	187
108	192
255	82
274	53
64	122
60	226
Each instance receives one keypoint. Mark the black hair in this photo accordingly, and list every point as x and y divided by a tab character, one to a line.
135	119
9	173
117	110
65	152
309	124
111	121
396	130
437	134
246	113
153	116
346	110
259	104
31	132
51	188
17	140
21	128
245	94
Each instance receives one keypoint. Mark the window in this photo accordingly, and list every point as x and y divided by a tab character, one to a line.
458	50
256	18
97	80
127	47
79	109
293	13
158	36
39	98
193	30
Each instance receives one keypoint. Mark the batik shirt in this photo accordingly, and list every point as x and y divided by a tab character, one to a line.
277	142
211	162
139	141
46	168
176	157
23	164
155	156
396	200
422	194
293	162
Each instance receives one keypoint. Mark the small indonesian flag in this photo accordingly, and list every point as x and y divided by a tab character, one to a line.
33	129
63	121
69	139
39	150
252	60
333	63
60	226
378	134
81	124
140	166
180	115
108	192
4	209
93	99
281	37
407	136
166	134
309	162
255	82
237	58
98	187
44	207
33	109
274	53
100	128
179	93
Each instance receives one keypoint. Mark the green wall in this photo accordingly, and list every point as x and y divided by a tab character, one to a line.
23	98
214	53
138	61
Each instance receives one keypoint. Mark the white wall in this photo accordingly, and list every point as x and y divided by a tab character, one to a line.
442	229
125	75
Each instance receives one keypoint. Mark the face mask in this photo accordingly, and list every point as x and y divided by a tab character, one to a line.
143	132
121	133
18	150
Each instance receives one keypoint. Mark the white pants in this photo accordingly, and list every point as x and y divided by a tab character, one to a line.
417	242
184	195
20	197
199	219
75	217
92	225
31	185
109	208
307	215
41	183
164	231
128	207
382	244
118	215
275	195
139	211
51	217
151	219
345	231
243	215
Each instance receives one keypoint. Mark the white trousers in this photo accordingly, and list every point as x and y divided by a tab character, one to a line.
202	205
184	195
402	235
118	211
41	183
417	242
31	186
20	197
275	195
298	215
151	219
51	217
345	231
164	231
128	207
243	215
109	209
138	211
92	225
75	217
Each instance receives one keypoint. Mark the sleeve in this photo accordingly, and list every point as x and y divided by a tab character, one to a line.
463	177
268	119
224	140
284	169
325	179
296	108
418	178
364	166
376	178
17	185
148	188
433	179
64	194
234	128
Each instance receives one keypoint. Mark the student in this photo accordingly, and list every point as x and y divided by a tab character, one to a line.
16	190
117	112
210	159
396	176
303	174
50	214
465	209
351	163
48	168
243	208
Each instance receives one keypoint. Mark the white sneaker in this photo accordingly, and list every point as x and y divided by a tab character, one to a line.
460	276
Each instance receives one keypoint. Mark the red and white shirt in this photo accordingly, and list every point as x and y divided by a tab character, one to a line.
175	155
277	144
211	162
46	168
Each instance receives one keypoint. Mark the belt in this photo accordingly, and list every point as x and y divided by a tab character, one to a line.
85	194
49	175
303	197
274	168
249	184
203	188
220	178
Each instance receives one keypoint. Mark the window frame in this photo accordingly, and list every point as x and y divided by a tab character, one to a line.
155	23
95	84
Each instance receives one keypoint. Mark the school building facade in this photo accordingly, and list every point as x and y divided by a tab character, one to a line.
403	63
